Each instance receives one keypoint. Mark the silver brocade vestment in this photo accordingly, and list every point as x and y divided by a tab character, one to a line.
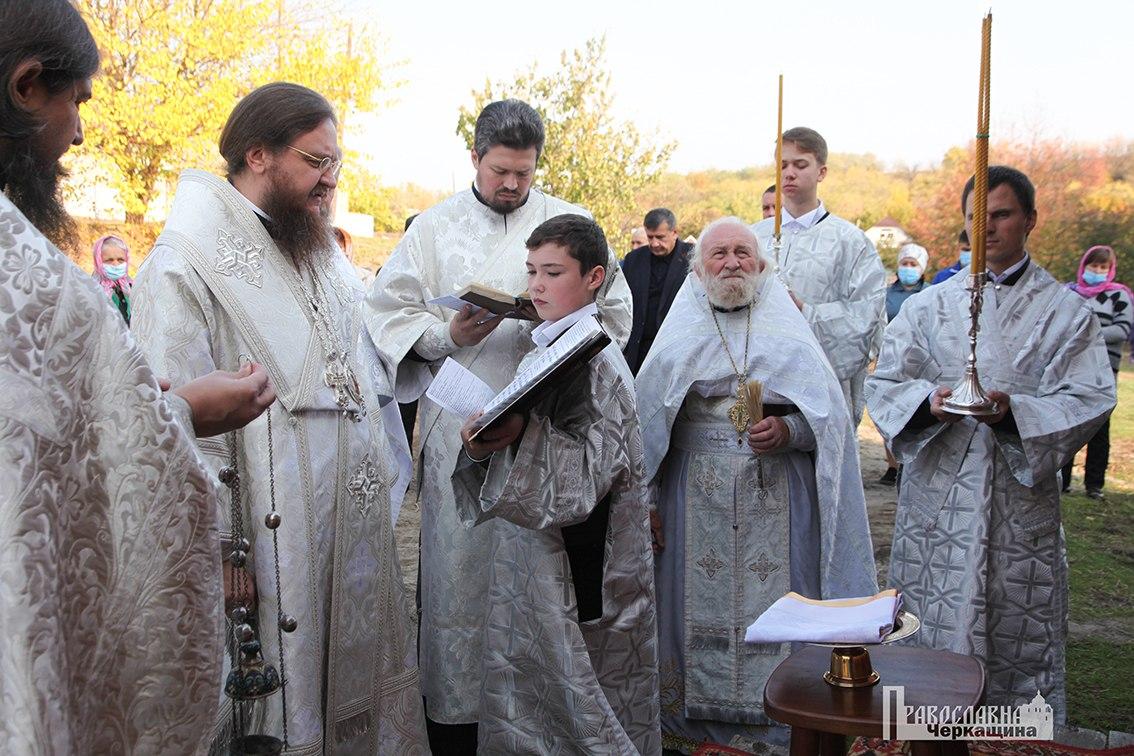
837	273
553	684
215	289
455	242
109	560
796	517
978	545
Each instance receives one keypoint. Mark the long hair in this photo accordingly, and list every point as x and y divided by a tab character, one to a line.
51	32
125	283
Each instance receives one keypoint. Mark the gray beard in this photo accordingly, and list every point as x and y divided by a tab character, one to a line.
34	188
731	293
298	233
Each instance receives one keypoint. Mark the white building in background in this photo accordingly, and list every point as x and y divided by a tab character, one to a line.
887	234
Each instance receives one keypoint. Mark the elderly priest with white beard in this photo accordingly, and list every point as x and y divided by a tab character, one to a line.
747	510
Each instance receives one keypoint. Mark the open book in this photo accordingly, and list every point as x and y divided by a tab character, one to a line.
459	391
495	301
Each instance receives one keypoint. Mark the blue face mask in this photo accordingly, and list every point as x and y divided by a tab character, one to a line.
114	272
966	257
1093	279
908	276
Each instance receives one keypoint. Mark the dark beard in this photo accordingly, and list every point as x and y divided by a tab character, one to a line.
297	231
34	188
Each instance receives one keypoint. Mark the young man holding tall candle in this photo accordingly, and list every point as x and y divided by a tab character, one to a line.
832	271
978	549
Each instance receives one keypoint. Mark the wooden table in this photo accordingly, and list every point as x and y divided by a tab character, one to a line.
821	715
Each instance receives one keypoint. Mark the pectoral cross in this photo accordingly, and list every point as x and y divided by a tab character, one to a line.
738	413
340	378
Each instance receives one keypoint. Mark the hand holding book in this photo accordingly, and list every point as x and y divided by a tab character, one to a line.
490	440
472	325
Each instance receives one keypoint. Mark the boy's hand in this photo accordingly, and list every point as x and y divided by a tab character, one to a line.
472	325
500	436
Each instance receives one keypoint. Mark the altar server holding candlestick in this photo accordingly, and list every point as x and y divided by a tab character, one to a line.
978	548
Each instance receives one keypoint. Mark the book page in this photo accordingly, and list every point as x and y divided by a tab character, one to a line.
458	390
452	301
564	346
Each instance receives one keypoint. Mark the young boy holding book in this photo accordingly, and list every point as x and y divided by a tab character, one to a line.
570	629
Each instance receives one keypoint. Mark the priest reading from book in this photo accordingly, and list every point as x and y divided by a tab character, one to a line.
570	648
752	457
475	236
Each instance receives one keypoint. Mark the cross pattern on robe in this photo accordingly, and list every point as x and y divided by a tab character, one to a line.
708	480
763	567
934	622
711	563
1019	639
366	485
1029	582
240	258
943	560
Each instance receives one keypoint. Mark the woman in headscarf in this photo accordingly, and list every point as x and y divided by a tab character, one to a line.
111	270
1111	303
912	259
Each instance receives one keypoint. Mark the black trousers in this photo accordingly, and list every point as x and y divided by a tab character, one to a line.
451	740
1098	455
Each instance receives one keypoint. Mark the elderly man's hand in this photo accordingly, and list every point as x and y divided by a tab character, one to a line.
222	401
768	435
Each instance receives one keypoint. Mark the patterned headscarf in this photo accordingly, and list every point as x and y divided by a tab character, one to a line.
1081	287
125	283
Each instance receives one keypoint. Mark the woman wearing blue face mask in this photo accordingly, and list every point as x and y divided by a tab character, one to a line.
111	263
912	259
1111	303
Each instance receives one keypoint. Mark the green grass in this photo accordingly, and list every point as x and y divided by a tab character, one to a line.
1100	555
1099	696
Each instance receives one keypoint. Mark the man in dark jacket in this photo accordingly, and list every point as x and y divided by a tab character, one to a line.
654	273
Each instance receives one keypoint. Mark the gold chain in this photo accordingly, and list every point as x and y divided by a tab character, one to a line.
747	340
738	414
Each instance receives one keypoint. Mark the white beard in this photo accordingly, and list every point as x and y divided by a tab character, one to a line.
729	293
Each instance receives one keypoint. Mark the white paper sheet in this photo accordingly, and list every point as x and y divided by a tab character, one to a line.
451	301
458	391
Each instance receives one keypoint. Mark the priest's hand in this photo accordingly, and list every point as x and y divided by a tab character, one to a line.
768	435
797	300
500	436
471	325
1001	400
222	401
937	406
656	533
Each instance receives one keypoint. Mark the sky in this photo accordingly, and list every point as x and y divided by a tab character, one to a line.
895	79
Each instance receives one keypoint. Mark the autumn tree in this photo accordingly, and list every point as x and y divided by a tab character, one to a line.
173	69
588	157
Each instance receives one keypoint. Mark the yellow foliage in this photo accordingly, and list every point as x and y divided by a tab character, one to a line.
172	70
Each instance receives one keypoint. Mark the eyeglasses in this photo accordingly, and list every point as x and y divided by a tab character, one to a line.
322	164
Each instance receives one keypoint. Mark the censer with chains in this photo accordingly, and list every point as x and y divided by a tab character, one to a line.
252	677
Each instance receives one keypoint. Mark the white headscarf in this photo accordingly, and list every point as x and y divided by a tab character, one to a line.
914	252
